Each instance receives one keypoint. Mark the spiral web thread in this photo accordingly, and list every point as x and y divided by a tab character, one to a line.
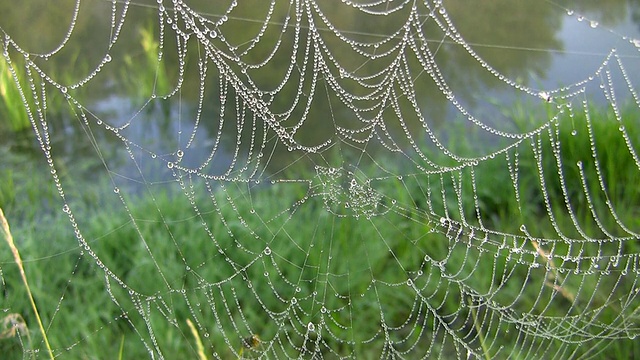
360	182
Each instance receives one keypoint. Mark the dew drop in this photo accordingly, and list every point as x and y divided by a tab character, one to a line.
574	132
593	24
170	165
65	208
311	327
107	58
267	251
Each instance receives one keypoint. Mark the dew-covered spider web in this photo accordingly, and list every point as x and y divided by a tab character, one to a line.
329	179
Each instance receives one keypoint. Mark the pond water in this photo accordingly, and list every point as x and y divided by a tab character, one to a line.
542	45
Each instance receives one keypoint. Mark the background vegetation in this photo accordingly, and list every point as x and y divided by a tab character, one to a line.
83	322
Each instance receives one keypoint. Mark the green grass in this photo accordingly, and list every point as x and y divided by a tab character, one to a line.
16	322
588	190
13	116
143	74
82	321
121	250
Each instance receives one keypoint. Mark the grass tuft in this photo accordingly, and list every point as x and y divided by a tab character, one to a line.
12	112
6	232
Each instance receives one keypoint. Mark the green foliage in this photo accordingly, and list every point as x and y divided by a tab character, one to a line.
13	116
19	188
190	257
556	170
145	74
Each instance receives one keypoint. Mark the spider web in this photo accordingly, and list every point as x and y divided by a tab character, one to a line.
327	188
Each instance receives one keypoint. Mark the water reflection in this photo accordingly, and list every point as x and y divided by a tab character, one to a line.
616	12
219	130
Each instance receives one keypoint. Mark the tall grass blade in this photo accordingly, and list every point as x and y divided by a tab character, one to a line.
16	255
196	335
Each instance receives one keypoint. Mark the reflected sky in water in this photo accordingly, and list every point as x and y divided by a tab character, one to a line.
585	50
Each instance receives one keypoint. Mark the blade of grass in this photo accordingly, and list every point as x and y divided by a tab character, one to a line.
556	275
16	255
121	351
196	335
478	328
